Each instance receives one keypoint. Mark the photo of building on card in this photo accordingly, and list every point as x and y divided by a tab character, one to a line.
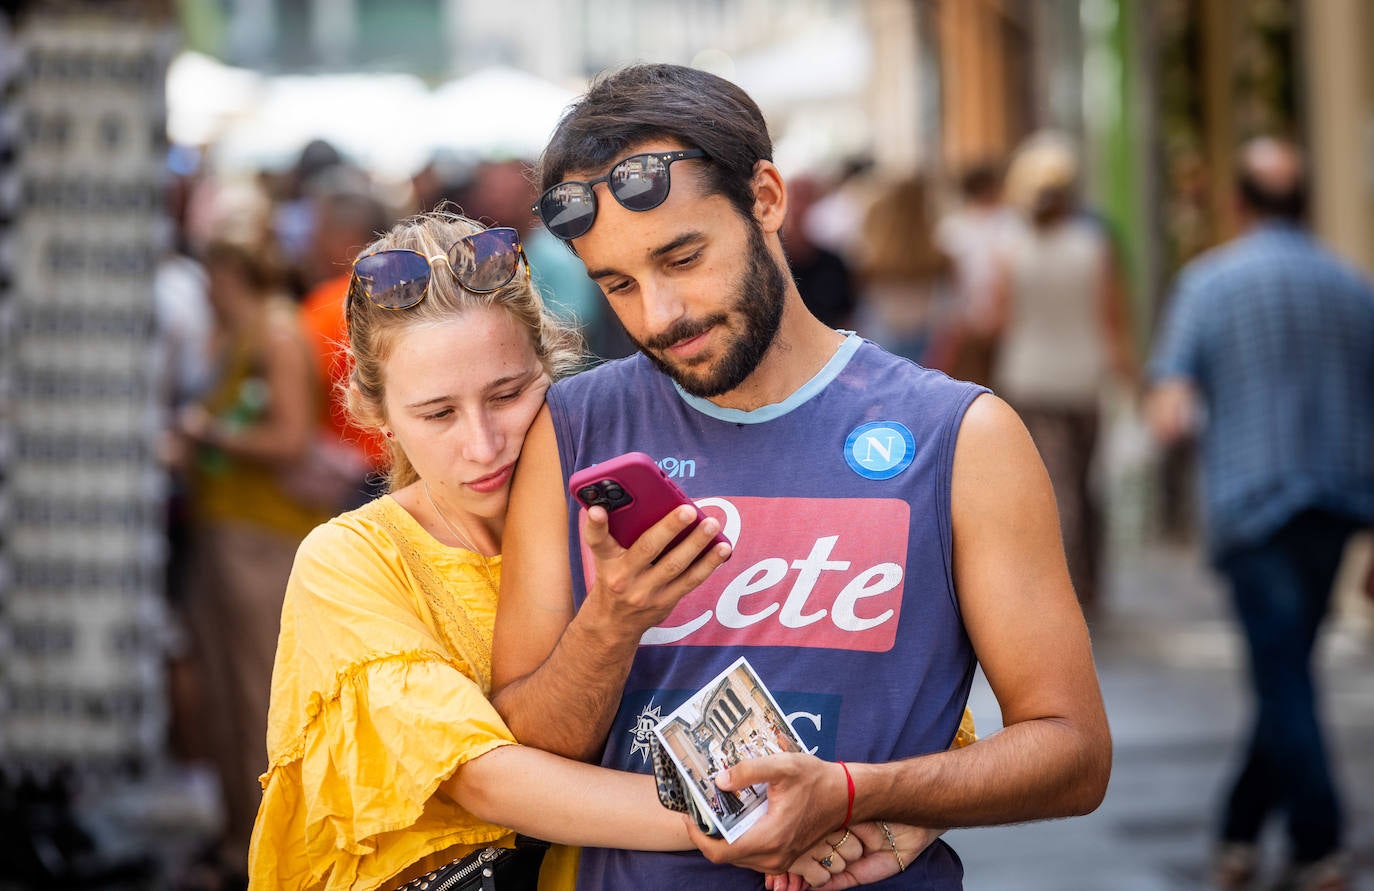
731	719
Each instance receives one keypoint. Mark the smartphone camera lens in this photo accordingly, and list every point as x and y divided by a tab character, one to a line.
615	495
590	495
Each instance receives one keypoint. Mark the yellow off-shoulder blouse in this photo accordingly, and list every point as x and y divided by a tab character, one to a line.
379	693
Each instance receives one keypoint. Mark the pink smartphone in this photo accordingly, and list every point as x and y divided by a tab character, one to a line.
636	495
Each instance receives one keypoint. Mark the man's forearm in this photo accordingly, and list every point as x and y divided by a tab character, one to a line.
1034	770
567	704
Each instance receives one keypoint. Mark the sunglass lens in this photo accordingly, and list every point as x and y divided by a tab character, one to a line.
640	182
568	209
487	260
393	279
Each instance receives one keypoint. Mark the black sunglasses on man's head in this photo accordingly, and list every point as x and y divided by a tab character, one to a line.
639	182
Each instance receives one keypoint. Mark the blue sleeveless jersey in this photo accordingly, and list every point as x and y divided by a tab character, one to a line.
839	591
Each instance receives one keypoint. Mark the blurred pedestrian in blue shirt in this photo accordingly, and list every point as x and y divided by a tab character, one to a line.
1268	355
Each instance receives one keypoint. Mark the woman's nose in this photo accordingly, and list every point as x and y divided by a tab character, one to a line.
481	441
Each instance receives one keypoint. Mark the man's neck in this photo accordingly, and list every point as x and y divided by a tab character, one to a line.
799	351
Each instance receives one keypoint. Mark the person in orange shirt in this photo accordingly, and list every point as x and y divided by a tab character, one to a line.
346	459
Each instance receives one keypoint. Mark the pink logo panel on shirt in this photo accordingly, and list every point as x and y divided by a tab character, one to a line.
806	572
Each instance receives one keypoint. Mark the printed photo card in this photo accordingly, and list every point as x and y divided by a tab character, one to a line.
732	718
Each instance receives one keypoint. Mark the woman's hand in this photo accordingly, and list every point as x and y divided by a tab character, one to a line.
877	860
818	867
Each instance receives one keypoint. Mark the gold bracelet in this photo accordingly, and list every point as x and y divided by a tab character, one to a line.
901	867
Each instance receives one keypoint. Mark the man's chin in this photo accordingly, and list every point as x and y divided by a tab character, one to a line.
703	384
702	389
703	376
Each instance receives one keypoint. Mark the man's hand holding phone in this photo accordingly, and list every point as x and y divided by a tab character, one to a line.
650	544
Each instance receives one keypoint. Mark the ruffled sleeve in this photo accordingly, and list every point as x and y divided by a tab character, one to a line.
370	713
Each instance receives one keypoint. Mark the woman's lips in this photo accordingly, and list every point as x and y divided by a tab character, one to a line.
492	482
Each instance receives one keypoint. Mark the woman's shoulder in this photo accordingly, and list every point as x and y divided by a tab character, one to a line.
372	530
355	568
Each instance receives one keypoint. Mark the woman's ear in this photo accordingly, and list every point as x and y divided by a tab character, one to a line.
770	196
367	415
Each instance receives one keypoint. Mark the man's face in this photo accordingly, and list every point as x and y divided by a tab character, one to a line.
692	282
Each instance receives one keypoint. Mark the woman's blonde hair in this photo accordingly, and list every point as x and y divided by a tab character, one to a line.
1042	176
373	331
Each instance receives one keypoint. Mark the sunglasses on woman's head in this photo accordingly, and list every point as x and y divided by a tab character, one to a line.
481	262
639	182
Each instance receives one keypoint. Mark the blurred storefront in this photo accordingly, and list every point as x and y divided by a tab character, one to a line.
1161	94
1338	98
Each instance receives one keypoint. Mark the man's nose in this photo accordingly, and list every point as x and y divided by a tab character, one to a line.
661	305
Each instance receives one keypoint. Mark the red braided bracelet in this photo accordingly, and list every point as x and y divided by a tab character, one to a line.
849	810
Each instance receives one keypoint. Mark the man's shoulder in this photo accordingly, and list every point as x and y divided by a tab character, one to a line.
901	371
1250	277
622	377
1226	268
922	397
612	369
1249	253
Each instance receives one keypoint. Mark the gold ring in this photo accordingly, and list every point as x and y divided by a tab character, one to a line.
836	845
826	862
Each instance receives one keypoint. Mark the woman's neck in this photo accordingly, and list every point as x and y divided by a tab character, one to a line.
450	524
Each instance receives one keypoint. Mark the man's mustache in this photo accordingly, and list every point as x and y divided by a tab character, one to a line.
685	329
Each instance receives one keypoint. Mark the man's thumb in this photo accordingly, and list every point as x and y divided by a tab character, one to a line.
749	772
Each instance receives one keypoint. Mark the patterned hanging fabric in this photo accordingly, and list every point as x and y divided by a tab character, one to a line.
80	586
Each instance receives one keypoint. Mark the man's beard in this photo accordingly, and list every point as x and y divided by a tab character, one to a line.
762	291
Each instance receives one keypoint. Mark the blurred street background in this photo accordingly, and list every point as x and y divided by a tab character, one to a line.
170	171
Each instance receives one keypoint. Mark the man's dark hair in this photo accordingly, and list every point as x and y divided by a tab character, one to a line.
643	102
1288	202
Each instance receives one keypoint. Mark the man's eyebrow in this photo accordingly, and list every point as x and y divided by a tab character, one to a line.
682	240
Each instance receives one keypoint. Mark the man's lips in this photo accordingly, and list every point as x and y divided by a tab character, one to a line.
689	347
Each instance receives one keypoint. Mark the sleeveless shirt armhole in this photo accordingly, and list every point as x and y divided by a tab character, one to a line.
944	498
563	439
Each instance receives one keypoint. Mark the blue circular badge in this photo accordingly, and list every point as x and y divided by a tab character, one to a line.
880	450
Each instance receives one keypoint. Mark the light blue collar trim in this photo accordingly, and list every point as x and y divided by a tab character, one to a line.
803	393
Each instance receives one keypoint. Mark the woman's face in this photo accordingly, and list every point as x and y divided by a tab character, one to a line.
460	397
